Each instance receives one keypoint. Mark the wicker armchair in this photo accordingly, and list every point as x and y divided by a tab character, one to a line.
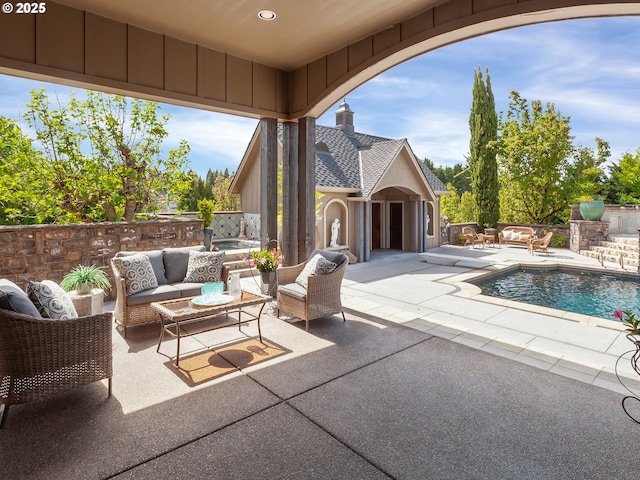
541	244
322	296
40	357
472	237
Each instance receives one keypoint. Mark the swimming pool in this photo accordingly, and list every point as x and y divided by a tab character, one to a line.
570	289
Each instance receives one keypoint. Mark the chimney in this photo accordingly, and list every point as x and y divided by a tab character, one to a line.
344	118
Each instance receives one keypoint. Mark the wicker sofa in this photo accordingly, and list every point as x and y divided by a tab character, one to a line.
320	298
170	267
516	235
41	357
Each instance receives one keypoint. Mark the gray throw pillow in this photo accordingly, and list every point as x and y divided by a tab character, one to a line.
137	272
51	300
204	267
176	260
14	299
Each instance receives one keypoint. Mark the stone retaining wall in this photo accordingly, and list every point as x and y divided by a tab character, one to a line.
586	233
39	252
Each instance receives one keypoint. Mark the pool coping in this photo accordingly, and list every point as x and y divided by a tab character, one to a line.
471	291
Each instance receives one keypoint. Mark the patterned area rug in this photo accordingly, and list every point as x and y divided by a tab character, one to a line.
211	364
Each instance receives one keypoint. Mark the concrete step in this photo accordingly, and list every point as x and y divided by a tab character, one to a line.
630	247
611	257
624	240
615	251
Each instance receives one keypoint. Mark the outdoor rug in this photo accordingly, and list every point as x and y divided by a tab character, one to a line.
215	363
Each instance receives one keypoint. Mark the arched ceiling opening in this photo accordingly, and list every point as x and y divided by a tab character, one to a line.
222	57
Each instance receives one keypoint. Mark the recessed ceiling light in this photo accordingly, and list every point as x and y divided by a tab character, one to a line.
266	15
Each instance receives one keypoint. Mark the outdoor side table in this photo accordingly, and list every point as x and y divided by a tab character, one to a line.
89	304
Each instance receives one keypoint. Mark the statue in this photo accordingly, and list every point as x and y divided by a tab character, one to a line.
335	229
242	227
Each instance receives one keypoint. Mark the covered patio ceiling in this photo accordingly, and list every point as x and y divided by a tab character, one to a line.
301	32
219	55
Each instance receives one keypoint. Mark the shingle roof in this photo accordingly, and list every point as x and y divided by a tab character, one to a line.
358	161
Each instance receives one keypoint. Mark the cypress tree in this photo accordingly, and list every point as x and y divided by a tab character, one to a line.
483	167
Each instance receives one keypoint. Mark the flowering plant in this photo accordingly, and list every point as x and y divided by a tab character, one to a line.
266	260
630	320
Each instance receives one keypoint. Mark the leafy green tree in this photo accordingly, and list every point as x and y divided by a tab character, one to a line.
189	199
483	124
468	208
627	175
590	176
225	200
24	198
457	175
450	204
611	188
123	171
541	172
459	208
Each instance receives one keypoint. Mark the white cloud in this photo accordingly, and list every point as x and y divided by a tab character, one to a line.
590	70
217	141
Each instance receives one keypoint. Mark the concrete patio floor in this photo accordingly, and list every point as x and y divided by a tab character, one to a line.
429	292
410	386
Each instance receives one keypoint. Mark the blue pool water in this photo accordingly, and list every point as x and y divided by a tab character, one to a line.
571	290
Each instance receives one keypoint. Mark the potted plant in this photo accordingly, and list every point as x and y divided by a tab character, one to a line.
84	278
206	207
591	208
267	261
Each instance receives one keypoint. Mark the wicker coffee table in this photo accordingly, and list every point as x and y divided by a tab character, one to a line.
180	312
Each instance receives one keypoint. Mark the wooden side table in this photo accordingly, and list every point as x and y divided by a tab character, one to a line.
89	304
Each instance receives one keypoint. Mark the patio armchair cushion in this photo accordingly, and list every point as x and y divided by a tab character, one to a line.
157	294
295	290
12	298
204	267
51	300
137	272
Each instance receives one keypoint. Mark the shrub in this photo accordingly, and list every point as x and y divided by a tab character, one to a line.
559	241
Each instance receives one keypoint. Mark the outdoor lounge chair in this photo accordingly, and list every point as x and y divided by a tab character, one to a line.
541	244
320	298
40	357
472	237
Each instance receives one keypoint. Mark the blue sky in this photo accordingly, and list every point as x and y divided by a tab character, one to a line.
590	70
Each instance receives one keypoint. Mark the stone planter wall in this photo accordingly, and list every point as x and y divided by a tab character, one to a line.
585	233
622	219
39	252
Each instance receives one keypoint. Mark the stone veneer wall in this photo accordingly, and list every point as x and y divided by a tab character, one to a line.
39	252
586	233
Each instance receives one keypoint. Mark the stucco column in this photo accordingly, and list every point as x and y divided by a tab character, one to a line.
268	179
306	187
421	229
366	217
360	231
289	236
